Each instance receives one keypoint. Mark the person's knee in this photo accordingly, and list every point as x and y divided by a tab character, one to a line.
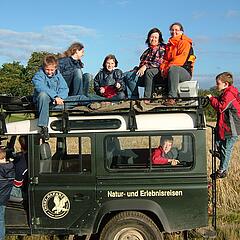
78	73
87	77
121	95
42	96
131	77
149	73
174	69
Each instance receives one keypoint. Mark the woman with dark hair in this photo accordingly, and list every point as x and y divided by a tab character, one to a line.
148	70
70	66
178	60
109	82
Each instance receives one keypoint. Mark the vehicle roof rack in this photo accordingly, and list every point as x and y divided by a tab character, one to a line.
24	105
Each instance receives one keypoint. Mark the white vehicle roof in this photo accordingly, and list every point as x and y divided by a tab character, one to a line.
144	122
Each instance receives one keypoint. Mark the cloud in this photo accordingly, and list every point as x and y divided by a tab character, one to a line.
122	2
234	37
220	53
18	46
201	39
206	81
198	15
116	2
232	13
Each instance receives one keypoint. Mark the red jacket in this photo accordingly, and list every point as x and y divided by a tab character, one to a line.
176	52
228	112
158	156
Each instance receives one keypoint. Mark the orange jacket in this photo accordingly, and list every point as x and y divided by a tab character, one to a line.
176	53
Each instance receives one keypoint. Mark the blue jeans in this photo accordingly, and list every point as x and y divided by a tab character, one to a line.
119	96
44	103
176	75
80	83
225	147
131	82
2	222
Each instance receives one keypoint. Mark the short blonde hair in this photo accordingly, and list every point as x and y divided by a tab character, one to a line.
50	60
2	153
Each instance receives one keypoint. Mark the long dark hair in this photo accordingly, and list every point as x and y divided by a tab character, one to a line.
154	30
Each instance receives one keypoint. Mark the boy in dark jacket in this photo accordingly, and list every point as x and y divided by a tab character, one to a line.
227	106
7	174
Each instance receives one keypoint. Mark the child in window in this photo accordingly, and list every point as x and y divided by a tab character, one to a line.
109	82
165	154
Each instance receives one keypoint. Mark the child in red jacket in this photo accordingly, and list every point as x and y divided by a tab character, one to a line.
164	154
227	106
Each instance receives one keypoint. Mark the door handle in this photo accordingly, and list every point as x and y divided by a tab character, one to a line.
80	197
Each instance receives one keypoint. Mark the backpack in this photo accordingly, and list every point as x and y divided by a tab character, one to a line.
189	63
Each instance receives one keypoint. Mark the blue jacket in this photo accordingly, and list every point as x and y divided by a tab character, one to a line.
67	66
54	86
7	174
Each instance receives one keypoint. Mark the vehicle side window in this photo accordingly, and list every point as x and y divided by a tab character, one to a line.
125	152
172	150
155	152
66	155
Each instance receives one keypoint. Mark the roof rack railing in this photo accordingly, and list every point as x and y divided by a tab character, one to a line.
13	105
17	105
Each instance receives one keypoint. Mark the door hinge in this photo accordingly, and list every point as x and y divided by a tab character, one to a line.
36	221
34	180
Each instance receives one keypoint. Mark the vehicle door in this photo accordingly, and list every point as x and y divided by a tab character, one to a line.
62	188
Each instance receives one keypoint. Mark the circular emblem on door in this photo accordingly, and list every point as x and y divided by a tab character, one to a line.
55	204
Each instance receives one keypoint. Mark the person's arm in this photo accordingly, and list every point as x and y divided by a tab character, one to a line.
119	78
221	103
182	54
96	83
157	157
63	89
143	63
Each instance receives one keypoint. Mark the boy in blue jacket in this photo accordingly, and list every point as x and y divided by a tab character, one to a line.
50	91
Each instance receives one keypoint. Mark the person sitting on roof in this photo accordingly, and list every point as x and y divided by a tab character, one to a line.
165	154
70	66
148	72
178	61
109	80
51	90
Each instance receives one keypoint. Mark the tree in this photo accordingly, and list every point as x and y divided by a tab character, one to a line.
210	112
34	63
13	80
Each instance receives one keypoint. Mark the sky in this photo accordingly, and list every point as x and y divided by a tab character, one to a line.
120	27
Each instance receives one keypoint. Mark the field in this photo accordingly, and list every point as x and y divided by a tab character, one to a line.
228	202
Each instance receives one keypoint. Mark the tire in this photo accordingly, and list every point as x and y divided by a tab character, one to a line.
131	225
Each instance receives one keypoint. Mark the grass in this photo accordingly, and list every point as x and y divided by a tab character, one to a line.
228	201
18	117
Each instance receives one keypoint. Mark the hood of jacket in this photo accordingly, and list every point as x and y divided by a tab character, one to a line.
232	90
175	40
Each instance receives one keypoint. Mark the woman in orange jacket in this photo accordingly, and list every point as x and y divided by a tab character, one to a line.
176	66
